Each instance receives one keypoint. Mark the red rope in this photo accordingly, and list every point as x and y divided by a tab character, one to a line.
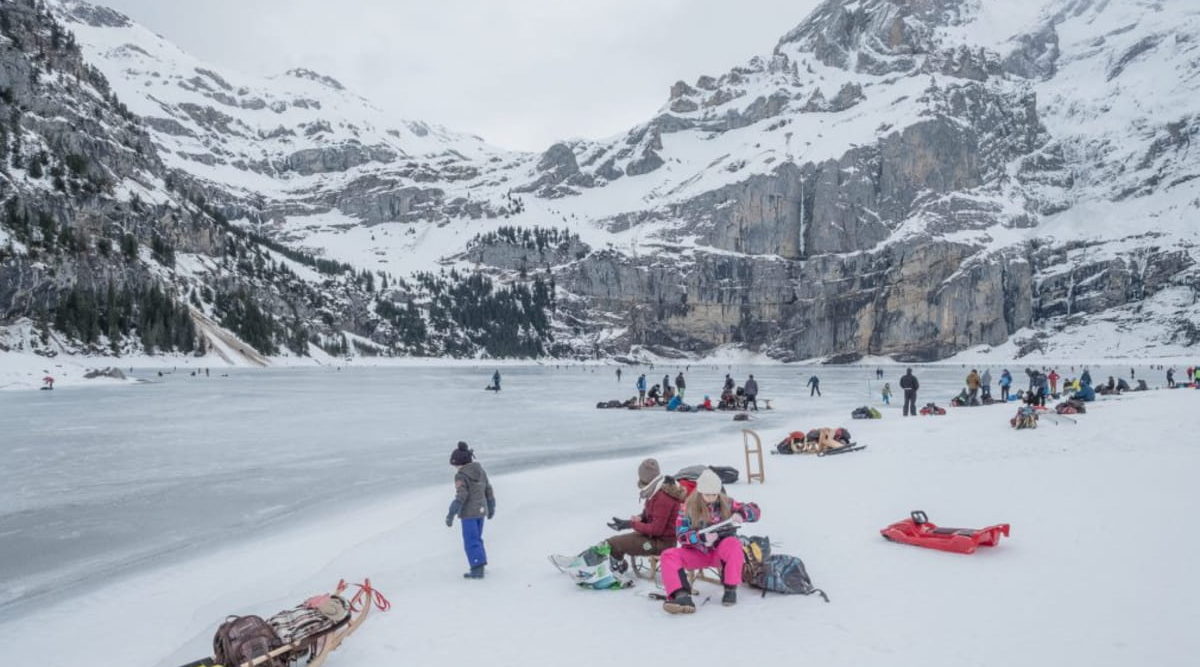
366	595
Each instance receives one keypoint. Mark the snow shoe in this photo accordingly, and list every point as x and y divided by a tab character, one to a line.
680	602
730	597
475	573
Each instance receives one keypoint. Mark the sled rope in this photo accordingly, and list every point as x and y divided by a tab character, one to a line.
365	596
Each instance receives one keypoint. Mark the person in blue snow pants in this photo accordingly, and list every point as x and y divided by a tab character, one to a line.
473	501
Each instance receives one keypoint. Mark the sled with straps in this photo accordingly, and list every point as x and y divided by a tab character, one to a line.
918	531
300	640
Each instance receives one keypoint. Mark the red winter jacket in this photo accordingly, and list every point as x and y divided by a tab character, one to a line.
658	516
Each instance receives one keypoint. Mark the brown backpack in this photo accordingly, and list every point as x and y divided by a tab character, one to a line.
241	639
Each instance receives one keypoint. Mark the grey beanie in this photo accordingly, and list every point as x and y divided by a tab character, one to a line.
647	471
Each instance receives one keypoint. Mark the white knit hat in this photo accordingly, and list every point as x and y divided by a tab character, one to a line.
708	482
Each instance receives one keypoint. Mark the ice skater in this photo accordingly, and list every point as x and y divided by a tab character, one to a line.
815	383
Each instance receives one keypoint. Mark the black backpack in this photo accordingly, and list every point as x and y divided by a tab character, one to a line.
242	639
727	474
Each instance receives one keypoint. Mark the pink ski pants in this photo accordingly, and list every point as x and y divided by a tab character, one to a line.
727	554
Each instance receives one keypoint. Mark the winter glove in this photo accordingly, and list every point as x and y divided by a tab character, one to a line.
620	524
491	508
455	508
737	519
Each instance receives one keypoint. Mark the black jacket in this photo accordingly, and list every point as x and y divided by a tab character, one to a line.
908	382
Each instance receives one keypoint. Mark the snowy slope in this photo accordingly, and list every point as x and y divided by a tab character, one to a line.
263	137
1078	116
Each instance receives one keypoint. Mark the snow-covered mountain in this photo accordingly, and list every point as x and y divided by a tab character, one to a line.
905	177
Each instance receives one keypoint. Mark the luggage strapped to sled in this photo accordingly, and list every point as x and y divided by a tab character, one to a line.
317	647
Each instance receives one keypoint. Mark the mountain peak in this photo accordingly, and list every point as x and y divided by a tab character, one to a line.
93	15
309	75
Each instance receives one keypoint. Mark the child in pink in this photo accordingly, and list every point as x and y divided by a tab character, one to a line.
700	549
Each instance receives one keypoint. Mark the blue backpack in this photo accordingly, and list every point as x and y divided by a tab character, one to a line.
775	573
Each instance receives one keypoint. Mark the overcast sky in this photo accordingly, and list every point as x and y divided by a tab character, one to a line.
520	73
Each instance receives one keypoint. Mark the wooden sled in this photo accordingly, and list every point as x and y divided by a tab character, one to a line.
315	649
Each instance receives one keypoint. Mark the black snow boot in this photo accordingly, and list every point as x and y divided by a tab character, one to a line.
730	597
475	573
680	602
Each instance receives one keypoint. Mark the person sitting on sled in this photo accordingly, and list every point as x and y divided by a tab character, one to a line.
707	404
700	548
653	529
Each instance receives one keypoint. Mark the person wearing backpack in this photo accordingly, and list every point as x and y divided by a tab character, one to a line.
910	385
473	500
701	546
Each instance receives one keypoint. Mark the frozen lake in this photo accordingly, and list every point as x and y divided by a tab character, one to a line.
99	482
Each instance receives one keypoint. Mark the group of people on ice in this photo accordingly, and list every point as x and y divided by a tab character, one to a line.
672	397
663	394
1191	377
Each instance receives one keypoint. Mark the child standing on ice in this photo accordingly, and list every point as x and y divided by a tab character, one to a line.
473	500
700	548
887	393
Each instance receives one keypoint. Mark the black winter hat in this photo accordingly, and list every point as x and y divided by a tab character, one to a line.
462	455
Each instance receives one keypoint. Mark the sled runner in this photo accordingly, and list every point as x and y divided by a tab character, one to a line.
298	634
852	447
918	531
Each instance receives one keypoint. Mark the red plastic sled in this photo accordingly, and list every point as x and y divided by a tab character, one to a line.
917	531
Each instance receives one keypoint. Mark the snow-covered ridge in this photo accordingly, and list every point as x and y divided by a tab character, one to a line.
250	134
1001	135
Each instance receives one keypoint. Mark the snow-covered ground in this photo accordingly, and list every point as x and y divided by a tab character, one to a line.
1097	571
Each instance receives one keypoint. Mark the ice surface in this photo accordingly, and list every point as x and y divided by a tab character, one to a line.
104	481
1097	570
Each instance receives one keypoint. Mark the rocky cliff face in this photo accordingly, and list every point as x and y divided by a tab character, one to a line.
108	249
897	177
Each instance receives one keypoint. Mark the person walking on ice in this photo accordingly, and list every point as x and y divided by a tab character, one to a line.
473	500
910	385
701	548
815	383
